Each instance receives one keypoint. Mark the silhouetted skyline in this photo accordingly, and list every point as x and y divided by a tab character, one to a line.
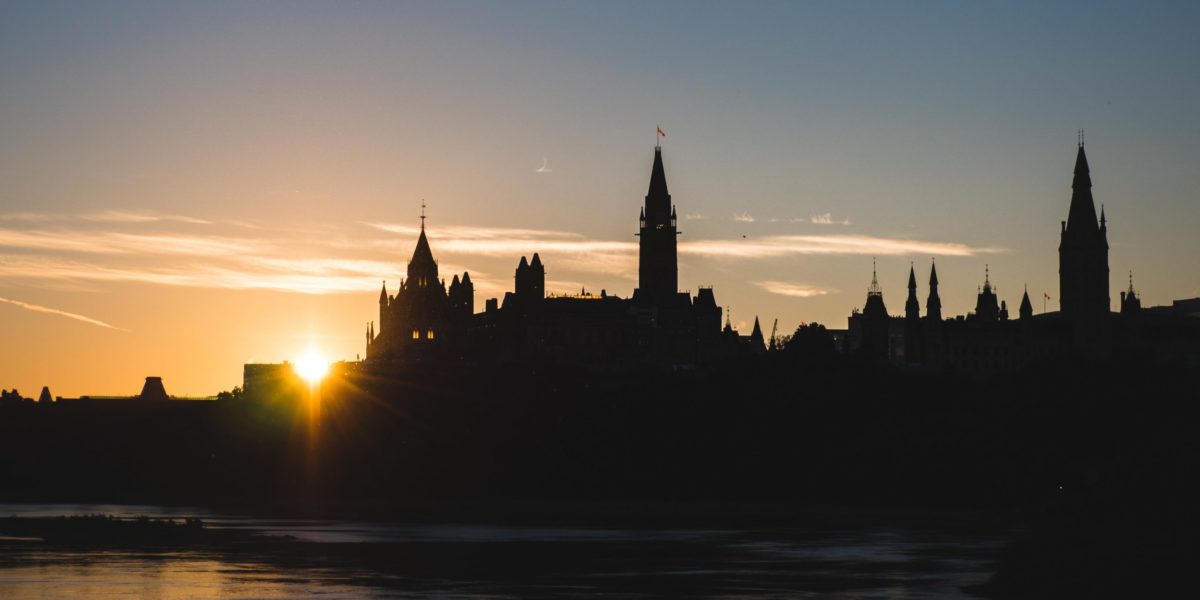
192	188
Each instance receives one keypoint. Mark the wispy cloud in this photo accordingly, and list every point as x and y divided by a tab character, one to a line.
566	250
61	313
787	245
92	242
115	216
826	219
743	217
796	290
693	217
336	259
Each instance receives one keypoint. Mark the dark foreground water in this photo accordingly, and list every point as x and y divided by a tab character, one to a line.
343	559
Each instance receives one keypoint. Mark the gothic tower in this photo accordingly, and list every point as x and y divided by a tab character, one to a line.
987	307
933	305
913	342
1083	252
658	268
912	308
1083	266
875	323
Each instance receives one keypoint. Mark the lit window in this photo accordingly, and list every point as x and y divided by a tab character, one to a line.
429	334
416	334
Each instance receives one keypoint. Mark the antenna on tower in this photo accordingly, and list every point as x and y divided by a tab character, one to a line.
422	214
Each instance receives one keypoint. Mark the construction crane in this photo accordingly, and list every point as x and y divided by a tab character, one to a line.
774	328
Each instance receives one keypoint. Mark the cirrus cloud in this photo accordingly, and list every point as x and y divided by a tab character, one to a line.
796	290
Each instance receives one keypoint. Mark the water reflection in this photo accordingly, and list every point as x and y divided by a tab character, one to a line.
358	559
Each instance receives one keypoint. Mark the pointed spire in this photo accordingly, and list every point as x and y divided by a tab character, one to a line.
422	215
1131	281
383	297
987	278
524	264
933	304
912	306
422	254
536	262
1082	214
466	278
658	177
1026	309
454	282
874	289
757	331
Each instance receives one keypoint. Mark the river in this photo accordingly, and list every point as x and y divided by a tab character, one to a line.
354	559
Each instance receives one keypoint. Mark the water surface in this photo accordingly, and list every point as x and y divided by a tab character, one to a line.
356	559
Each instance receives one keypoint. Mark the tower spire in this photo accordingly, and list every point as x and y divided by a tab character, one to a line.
933	305
658	265
422	214
874	289
912	307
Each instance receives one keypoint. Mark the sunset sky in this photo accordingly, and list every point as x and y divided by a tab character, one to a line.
188	187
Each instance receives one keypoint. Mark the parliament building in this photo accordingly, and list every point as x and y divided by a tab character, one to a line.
658	325
990	339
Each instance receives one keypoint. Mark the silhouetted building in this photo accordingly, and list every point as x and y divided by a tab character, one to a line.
913	335
1083	266
658	324
985	340
423	315
870	330
153	389
658	269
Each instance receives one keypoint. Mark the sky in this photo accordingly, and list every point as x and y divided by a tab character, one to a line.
185	188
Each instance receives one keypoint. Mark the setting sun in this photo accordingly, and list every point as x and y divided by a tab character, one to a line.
311	367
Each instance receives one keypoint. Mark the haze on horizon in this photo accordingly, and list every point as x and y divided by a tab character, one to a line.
185	188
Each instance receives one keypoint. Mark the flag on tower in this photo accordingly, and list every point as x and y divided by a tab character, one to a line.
661	133
1047	296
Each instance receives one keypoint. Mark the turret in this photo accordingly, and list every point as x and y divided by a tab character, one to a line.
1026	310
986	306
933	305
757	341
537	277
914	347
912	308
1130	303
875	322
384	311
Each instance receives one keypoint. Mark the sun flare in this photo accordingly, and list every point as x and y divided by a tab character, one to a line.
311	367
